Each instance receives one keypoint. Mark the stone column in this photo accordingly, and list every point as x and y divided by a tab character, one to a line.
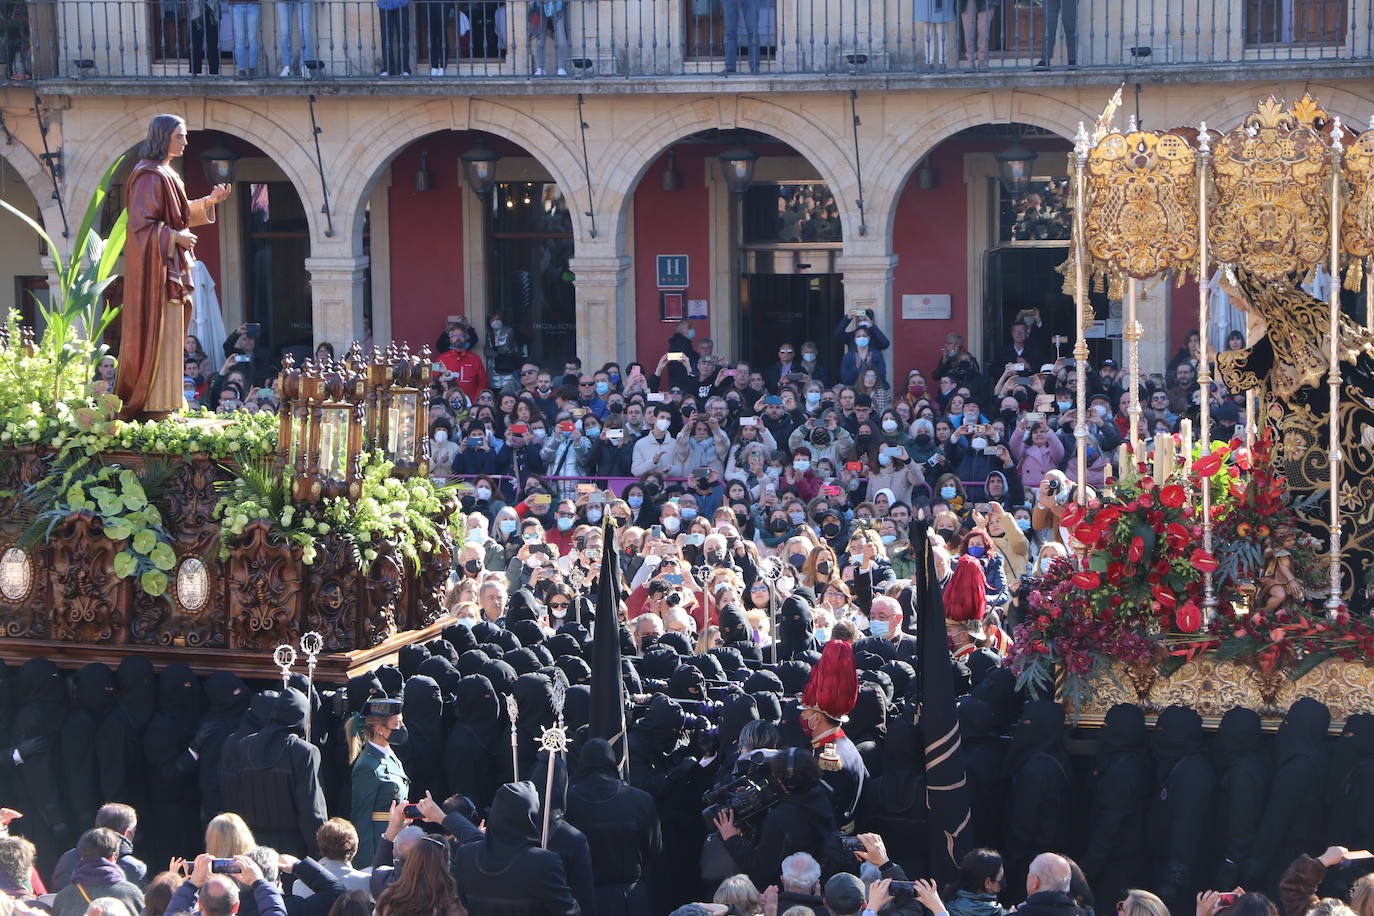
605	319
868	285
336	298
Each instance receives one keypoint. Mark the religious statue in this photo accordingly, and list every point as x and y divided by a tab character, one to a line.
1278	582
158	257
1286	366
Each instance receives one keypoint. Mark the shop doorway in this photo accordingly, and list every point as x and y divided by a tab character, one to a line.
777	308
531	243
1025	277
276	243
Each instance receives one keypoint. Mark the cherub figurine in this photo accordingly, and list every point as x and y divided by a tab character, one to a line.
1278	583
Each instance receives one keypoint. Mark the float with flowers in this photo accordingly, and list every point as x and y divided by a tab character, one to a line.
1126	617
212	539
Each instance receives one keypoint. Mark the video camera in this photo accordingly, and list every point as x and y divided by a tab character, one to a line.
748	795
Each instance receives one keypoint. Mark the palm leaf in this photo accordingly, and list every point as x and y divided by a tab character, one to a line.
33	224
88	220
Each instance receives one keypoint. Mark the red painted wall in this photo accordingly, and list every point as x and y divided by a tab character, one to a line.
426	239
207	248
670	222
930	239
1183	318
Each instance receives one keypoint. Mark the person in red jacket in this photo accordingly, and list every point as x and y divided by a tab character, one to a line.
467	367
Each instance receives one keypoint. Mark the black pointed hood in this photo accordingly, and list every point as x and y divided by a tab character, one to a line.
1239	735
597	759
1302	730
1177	734
289	712
440	670
471	662
137	690
1040	730
408	659
460	637
558	800
93	690
226	695
513	825
178	695
1123	732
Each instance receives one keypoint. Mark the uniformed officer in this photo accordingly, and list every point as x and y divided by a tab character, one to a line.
378	777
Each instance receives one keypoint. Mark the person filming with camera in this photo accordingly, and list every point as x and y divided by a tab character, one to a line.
801	821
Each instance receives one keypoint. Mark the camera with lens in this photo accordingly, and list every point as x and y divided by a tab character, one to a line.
748	796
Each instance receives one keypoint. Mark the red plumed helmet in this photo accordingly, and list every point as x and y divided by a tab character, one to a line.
834	684
966	592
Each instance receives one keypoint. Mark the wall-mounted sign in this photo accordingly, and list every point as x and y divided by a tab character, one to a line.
669	305
672	271
926	305
697	309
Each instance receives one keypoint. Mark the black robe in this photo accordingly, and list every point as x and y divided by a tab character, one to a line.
124	772
1351	789
984	750
507	874
166	744
282	799
233	754
1181	808
227	698
41	695
894	804
93	698
1292	821
1114	857
564	838
477	754
422	754
1038	791
622	831
1243	774
801	822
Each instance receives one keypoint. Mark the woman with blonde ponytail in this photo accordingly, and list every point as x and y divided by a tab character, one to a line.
378	777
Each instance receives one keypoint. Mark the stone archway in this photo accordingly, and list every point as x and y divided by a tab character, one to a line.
900	155
361	161
621	172
123	130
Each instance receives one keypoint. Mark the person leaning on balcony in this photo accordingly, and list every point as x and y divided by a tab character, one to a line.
395	37
247	17
204	16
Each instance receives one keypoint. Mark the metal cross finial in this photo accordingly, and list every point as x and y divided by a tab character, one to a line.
1204	139
284	656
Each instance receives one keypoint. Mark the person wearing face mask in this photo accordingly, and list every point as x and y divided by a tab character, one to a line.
893	470
503	350
864	353
800	475
520	457
923	444
866	568
443	451
950	491
654	452
378	779
469	372
1010	540
567	451
613	449
681	358
486	498
1037	457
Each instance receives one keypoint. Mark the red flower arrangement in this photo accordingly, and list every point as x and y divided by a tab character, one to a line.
1133	591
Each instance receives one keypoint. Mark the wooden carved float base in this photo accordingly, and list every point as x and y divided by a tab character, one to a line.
331	668
1212	688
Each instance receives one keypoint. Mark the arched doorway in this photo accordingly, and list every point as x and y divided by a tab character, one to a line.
757	265
22	276
438	251
254	254
975	253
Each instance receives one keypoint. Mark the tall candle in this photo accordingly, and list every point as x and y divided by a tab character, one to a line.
1185	427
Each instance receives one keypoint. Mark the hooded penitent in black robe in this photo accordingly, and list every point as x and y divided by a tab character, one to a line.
534	697
507	874
1180	809
795	629
283	802
894	804
124	772
477	744
227	698
422	753
984	751
621	827
93	698
166	743
1292	822
1037	812
41	695
1114	856
565	839
233	755
1351	788
1243	773
867	726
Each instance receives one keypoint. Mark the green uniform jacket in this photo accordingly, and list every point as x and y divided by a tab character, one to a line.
378	780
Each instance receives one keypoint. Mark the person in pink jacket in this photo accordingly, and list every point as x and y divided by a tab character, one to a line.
1044	453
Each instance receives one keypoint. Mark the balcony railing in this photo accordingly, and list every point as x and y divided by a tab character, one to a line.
499	39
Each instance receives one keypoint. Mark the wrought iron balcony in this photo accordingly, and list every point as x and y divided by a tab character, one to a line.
361	42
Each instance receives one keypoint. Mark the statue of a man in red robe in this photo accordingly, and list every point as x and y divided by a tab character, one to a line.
157	274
